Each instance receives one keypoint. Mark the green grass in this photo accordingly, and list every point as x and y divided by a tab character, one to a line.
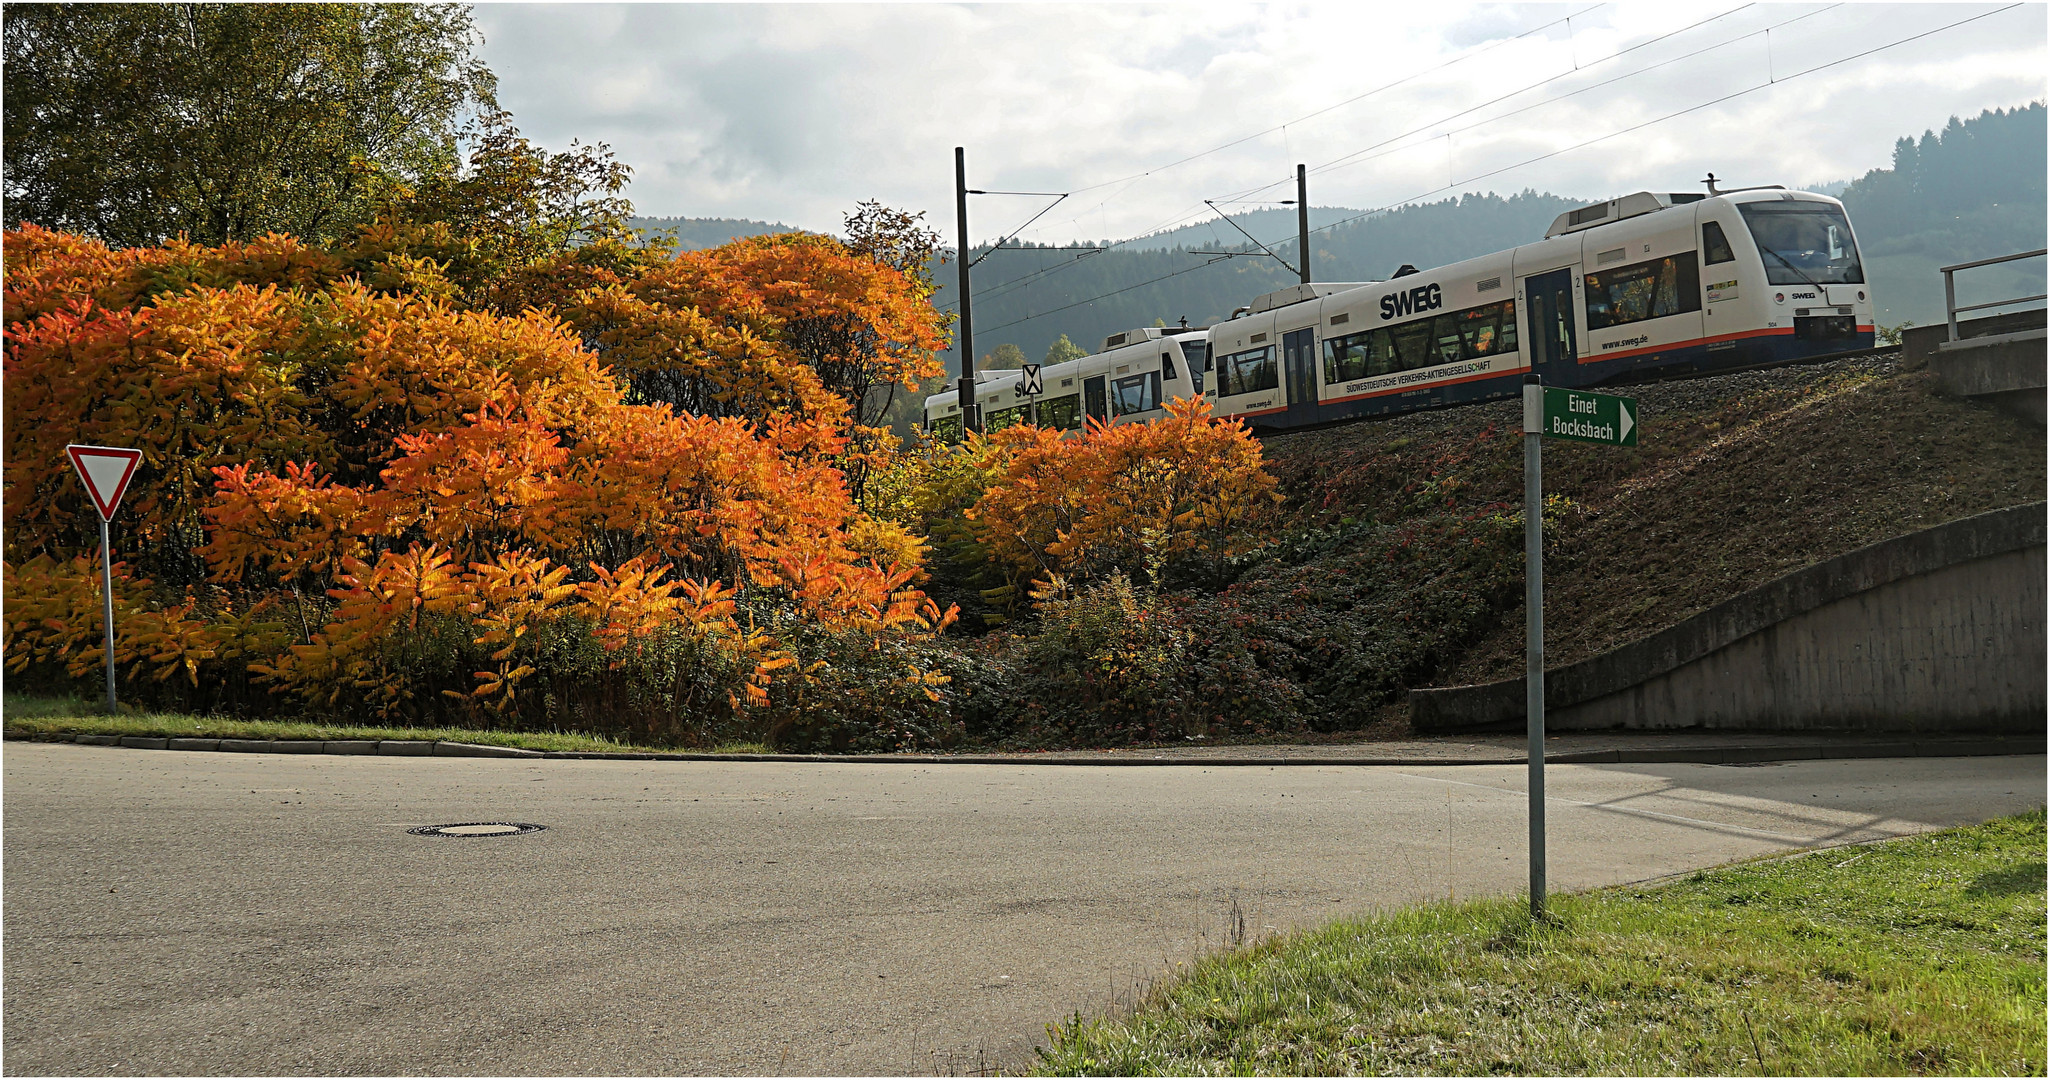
1916	956
39	717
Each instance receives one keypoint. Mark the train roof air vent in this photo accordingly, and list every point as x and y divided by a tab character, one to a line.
1602	213
1296	294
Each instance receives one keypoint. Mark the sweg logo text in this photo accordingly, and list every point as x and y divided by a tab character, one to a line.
1416	301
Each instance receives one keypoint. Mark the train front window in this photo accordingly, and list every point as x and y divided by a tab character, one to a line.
1804	243
1715	247
1196	354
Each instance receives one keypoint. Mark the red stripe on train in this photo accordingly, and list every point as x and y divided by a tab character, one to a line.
1603	357
1426	386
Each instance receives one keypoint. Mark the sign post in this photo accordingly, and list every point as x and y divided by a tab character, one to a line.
105	471
1559	413
1534	627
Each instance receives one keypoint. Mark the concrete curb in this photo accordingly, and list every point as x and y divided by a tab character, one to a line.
1698	755
383	747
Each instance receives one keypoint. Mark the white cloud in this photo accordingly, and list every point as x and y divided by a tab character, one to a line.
794	112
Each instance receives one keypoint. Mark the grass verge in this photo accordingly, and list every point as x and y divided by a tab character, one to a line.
36	717
1915	956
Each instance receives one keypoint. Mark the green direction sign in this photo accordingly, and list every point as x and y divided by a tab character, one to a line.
1590	417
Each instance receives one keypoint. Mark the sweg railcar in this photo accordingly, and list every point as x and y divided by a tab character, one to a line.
1647	286
1129	380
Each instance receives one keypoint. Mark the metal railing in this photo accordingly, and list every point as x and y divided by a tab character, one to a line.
1950	288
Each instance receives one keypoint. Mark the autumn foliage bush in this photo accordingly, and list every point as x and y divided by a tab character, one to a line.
371	493
358	495
1066	542
1131	498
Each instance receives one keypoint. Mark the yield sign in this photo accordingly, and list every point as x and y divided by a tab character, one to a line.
106	471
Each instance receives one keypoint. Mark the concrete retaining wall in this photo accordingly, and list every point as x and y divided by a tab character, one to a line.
1940	630
1998	359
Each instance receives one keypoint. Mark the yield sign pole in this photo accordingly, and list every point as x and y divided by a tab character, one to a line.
105	471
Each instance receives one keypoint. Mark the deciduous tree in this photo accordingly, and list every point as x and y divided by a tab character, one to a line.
137	122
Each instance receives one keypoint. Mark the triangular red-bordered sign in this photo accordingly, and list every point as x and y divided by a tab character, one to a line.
105	471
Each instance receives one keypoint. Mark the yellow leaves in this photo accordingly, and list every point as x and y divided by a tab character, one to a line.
54	616
633	602
701	365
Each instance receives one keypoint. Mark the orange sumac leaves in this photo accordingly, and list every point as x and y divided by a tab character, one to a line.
1129	496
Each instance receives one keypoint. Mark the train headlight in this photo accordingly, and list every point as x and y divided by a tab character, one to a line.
1861	294
1779	298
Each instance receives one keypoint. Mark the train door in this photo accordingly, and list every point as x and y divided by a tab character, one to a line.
1548	298
1299	360
1095	398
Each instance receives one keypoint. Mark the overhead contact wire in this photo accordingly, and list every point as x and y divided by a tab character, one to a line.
1542	157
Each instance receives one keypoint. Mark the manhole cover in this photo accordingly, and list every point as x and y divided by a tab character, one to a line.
477	828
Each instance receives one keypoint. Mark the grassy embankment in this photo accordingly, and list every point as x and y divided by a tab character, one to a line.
55	717
1915	956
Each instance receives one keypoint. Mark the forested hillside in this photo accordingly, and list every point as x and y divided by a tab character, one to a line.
696	234
1972	191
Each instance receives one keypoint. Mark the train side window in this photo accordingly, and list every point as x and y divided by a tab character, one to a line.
1446	347
1093	394
1061	414
1247	372
1715	247
1345	359
1412	344
999	419
1646	290
947	428
1135	394
1167	366
1461	335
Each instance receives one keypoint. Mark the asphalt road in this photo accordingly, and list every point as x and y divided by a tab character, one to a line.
202	913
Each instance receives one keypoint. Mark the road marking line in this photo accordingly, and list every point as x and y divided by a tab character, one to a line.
1784	837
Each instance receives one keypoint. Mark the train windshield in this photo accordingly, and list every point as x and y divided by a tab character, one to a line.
1197	355
1804	243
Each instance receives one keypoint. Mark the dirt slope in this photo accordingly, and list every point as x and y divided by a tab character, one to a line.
1736	481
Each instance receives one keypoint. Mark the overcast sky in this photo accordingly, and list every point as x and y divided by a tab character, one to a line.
792	113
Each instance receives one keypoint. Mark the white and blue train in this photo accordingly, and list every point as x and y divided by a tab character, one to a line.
1646	286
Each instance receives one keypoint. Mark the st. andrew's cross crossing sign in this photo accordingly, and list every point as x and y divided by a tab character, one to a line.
105	471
